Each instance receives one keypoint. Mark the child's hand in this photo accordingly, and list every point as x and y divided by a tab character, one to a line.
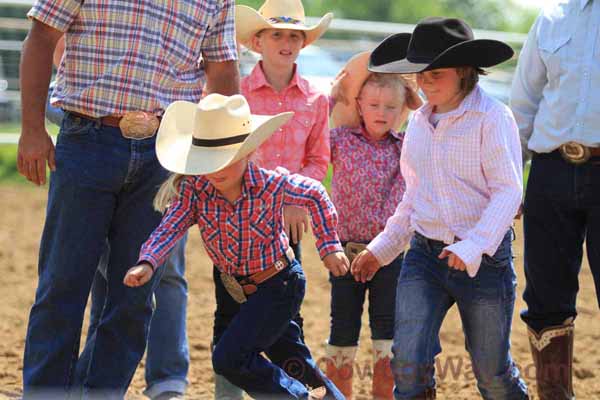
454	261
337	263
138	275
295	222
336	88
365	266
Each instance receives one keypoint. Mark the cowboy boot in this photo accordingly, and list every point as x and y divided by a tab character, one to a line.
340	367
552	351
383	380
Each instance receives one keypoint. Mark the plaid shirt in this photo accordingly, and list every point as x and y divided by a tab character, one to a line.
127	55
464	179
245	237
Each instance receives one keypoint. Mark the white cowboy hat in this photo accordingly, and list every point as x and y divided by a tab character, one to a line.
276	14
199	139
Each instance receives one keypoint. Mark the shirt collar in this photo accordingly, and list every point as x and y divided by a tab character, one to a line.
470	103
362	132
258	79
583	3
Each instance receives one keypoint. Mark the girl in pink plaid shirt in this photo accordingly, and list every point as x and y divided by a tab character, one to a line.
369	110
461	160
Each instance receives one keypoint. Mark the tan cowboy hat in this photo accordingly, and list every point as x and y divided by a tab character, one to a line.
349	83
276	14
199	139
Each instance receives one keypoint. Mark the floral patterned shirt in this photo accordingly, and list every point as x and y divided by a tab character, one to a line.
367	184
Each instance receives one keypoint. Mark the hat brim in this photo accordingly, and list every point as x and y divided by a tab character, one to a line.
480	53
176	152
248	22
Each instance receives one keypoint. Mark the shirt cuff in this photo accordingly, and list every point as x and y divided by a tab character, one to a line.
153	261
383	252
469	253
330	246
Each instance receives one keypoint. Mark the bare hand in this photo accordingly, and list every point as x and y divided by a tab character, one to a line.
337	263
295	222
336	88
35	150
365	266
454	261
138	275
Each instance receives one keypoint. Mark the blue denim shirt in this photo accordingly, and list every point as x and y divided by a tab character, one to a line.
555	96
53	114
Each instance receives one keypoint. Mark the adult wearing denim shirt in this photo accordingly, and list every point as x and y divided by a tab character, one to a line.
556	104
104	170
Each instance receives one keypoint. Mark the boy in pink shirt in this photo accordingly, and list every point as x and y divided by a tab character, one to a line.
277	32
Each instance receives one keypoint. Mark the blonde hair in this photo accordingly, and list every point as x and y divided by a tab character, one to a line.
395	82
167	192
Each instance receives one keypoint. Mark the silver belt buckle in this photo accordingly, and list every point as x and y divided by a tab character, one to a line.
138	125
575	153
233	287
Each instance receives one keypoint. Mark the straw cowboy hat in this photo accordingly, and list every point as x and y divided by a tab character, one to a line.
437	42
199	139
276	14
348	85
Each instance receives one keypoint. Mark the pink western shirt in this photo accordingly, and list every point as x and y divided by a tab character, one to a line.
302	144
463	180
367	184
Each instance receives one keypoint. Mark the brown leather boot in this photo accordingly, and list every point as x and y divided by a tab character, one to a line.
340	367
383	380
552	351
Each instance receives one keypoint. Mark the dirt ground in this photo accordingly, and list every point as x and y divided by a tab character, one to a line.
22	216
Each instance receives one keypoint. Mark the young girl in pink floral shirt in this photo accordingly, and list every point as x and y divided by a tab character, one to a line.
366	187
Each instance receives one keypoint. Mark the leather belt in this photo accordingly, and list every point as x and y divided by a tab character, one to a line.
133	125
244	286
110	120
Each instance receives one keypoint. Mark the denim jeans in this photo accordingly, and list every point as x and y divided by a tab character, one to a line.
264	322
562	210
167	356
102	190
348	297
427	288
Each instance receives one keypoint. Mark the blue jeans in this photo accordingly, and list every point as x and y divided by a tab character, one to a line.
167	356
348	297
264	322
427	288
102	190
562	209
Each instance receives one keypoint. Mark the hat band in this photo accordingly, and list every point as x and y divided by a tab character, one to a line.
219	142
284	20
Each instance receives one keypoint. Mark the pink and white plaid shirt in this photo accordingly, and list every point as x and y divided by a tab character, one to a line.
302	144
135	55
245	237
463	180
367	184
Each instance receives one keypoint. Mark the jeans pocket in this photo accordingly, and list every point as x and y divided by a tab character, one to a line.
74	127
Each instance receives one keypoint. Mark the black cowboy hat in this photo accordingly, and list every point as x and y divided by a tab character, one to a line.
437	42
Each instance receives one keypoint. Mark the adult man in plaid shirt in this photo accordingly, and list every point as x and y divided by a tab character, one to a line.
124	63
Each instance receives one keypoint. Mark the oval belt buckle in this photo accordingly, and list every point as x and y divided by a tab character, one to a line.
233	287
138	125
575	153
